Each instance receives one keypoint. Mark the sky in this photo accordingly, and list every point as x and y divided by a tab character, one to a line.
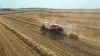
58	4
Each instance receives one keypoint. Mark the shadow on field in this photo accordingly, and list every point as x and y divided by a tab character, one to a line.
52	35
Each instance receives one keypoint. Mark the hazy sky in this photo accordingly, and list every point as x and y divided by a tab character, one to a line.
50	3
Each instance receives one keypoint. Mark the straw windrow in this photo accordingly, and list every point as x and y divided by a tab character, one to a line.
42	50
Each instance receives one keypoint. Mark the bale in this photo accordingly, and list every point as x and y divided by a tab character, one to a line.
73	36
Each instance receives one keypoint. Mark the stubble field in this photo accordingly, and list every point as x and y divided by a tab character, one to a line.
84	23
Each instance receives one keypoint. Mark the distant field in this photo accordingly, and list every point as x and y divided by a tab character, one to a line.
78	10
11	12
84	23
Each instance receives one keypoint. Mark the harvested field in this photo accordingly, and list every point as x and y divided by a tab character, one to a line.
84	24
11	45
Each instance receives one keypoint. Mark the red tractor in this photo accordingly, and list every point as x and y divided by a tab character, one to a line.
51	27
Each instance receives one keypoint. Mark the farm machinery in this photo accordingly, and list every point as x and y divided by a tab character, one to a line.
52	27
55	28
